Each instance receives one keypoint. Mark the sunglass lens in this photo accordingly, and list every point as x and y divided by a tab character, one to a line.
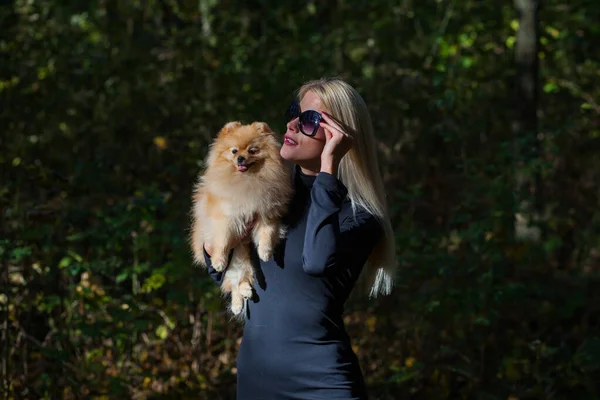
309	122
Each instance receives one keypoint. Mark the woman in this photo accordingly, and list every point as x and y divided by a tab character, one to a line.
295	345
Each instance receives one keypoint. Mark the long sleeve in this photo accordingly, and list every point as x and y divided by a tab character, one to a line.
329	244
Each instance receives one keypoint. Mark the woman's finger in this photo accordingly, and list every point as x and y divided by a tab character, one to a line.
331	135
331	127
336	136
329	121
334	132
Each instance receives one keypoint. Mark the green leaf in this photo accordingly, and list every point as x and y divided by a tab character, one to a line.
161	332
122	276
510	42
154	282
76	256
467	62
550	87
65	262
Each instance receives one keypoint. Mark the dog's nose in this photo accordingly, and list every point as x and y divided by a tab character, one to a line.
241	159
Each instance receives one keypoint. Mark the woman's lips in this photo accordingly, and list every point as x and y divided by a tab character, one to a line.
287	140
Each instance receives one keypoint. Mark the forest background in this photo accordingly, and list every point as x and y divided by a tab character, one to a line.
487	115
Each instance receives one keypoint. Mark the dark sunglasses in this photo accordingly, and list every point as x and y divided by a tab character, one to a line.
308	121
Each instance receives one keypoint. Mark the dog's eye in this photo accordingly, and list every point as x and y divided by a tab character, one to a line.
233	151
253	151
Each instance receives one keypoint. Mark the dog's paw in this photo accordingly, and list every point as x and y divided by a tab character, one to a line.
237	305
265	252
245	290
218	263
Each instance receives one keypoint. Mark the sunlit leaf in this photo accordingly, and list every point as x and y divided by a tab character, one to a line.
161	332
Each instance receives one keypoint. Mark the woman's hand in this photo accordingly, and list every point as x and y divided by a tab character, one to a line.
209	249
337	144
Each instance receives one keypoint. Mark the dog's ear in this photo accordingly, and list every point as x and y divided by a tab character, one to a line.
229	127
262	127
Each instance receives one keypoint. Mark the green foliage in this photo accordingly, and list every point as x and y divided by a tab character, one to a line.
108	109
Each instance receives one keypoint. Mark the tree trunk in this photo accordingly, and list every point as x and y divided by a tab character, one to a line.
525	127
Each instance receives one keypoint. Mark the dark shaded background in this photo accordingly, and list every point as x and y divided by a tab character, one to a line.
490	155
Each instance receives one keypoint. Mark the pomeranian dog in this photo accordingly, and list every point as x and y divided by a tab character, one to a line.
245	180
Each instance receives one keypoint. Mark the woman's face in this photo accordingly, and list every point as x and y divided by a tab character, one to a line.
300	149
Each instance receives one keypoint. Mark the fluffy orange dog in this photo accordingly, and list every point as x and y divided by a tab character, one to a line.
245	179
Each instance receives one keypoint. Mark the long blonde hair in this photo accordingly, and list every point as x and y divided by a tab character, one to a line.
359	172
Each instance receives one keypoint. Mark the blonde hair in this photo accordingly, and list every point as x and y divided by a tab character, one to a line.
359	172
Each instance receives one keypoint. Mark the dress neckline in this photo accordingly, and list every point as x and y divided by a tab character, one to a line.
306	180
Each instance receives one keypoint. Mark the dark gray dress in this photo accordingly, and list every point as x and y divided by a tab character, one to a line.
294	344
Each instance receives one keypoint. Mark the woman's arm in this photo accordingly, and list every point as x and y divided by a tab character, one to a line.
328	243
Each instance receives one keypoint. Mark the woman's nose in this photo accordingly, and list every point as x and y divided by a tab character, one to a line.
293	125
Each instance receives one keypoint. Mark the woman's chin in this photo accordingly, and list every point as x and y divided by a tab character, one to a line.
287	153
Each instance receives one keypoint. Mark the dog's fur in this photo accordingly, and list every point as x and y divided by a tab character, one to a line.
230	193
